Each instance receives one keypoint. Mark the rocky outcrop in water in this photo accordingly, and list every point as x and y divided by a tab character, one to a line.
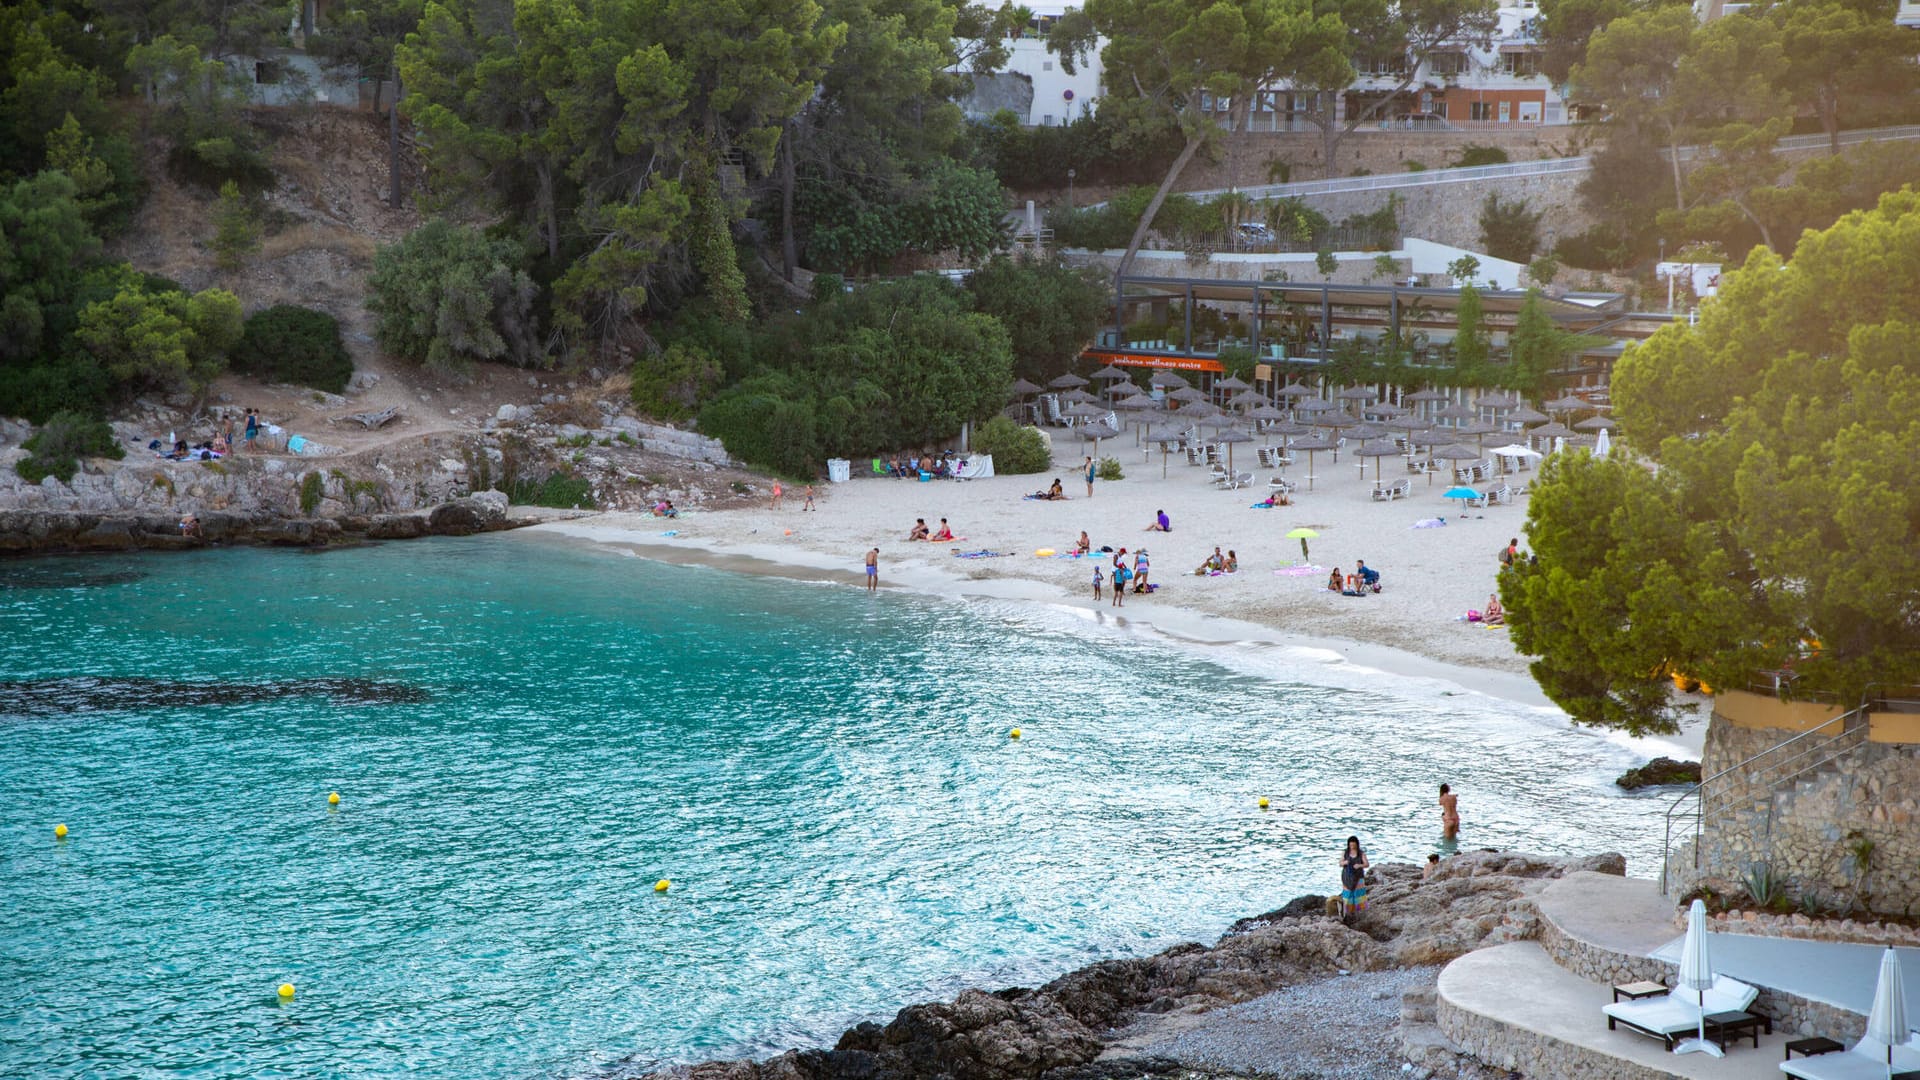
1060	1031
1659	772
89	693
41	530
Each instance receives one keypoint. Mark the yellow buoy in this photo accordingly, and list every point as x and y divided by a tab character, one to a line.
1044	552
1015	733
286	990
662	885
60	831
1263	802
333	798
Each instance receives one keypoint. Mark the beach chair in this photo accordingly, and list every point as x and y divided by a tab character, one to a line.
1381	492
1279	485
1268	456
1240	480
1677	1014
1193	454
1399	489
1219	477
1864	1060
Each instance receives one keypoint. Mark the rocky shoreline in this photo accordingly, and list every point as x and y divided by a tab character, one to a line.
1179	1013
72	531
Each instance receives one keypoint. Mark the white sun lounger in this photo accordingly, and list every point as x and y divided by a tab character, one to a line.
1677	1015
1864	1060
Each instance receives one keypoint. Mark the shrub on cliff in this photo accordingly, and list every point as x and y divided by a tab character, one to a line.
447	296
296	345
56	448
1015	449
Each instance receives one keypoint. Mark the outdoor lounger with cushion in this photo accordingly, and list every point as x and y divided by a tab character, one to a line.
1865	1060
1677	1015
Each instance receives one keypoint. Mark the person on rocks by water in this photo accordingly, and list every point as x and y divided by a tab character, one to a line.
1353	878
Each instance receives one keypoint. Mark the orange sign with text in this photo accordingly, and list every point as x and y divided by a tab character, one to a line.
1150	360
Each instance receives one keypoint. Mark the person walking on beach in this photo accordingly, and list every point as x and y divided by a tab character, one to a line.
1449	813
1353	878
1509	553
1140	568
776	496
809	503
1090	472
873	569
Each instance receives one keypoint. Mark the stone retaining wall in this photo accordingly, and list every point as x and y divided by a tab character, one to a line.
1595	964
1532	1055
1804	830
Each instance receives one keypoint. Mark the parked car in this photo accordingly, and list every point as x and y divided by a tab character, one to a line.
1254	232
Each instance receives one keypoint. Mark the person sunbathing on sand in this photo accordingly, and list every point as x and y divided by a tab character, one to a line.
919	529
1233	562
1083	545
944	534
1333	580
1495	614
1161	523
1213	563
1055	493
1278	498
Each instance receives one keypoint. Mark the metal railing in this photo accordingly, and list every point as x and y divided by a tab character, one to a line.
1761	775
1515	169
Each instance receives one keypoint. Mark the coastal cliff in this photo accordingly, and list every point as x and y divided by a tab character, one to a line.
1092	1023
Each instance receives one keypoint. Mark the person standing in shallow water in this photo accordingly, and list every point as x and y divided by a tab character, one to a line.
1449	813
873	569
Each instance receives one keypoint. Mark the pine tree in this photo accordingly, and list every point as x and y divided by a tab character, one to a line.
236	228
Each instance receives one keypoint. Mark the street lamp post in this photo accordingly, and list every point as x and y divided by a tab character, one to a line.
1070	175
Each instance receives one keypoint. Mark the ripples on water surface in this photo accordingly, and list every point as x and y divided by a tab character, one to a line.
826	778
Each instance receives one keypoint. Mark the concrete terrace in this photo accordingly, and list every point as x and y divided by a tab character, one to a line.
1535	1006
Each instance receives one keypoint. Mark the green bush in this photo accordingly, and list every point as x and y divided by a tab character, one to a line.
675	383
313	487
295	345
56	448
1016	450
559	491
1110	469
1475	154
447	295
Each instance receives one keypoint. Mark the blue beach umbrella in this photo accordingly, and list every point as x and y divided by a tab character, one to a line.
1463	493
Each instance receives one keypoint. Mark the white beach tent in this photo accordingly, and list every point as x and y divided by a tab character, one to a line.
1696	977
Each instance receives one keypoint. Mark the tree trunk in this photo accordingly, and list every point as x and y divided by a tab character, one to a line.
1329	134
544	193
1830	120
1194	140
392	154
789	249
1766	235
1673	158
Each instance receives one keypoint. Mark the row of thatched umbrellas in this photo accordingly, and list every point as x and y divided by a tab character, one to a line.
1376	435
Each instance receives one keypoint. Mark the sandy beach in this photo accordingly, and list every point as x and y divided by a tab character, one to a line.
1430	576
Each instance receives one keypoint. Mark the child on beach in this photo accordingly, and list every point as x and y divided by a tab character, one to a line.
809	502
776	496
1098	577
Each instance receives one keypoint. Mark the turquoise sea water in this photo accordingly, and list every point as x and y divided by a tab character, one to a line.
826	778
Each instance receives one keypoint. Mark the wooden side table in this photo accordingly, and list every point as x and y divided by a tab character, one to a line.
1811	1047
1723	1027
1634	991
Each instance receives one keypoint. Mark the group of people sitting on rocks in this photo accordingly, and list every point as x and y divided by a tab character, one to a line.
224	440
1364	579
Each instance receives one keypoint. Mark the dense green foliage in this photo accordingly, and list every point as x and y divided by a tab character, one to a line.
1733	87
561	490
1016	450
673	384
295	345
56	448
446	296
1100	150
1509	230
236	228
857	374
1051	311
1782	529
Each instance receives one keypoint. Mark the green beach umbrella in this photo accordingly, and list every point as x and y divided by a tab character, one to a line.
1302	534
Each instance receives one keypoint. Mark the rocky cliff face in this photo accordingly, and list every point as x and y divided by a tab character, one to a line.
1059	1030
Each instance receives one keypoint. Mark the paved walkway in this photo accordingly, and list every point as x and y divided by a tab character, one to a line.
1519	986
1619	914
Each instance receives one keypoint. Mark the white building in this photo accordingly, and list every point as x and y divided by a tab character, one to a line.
1463	86
1034	85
